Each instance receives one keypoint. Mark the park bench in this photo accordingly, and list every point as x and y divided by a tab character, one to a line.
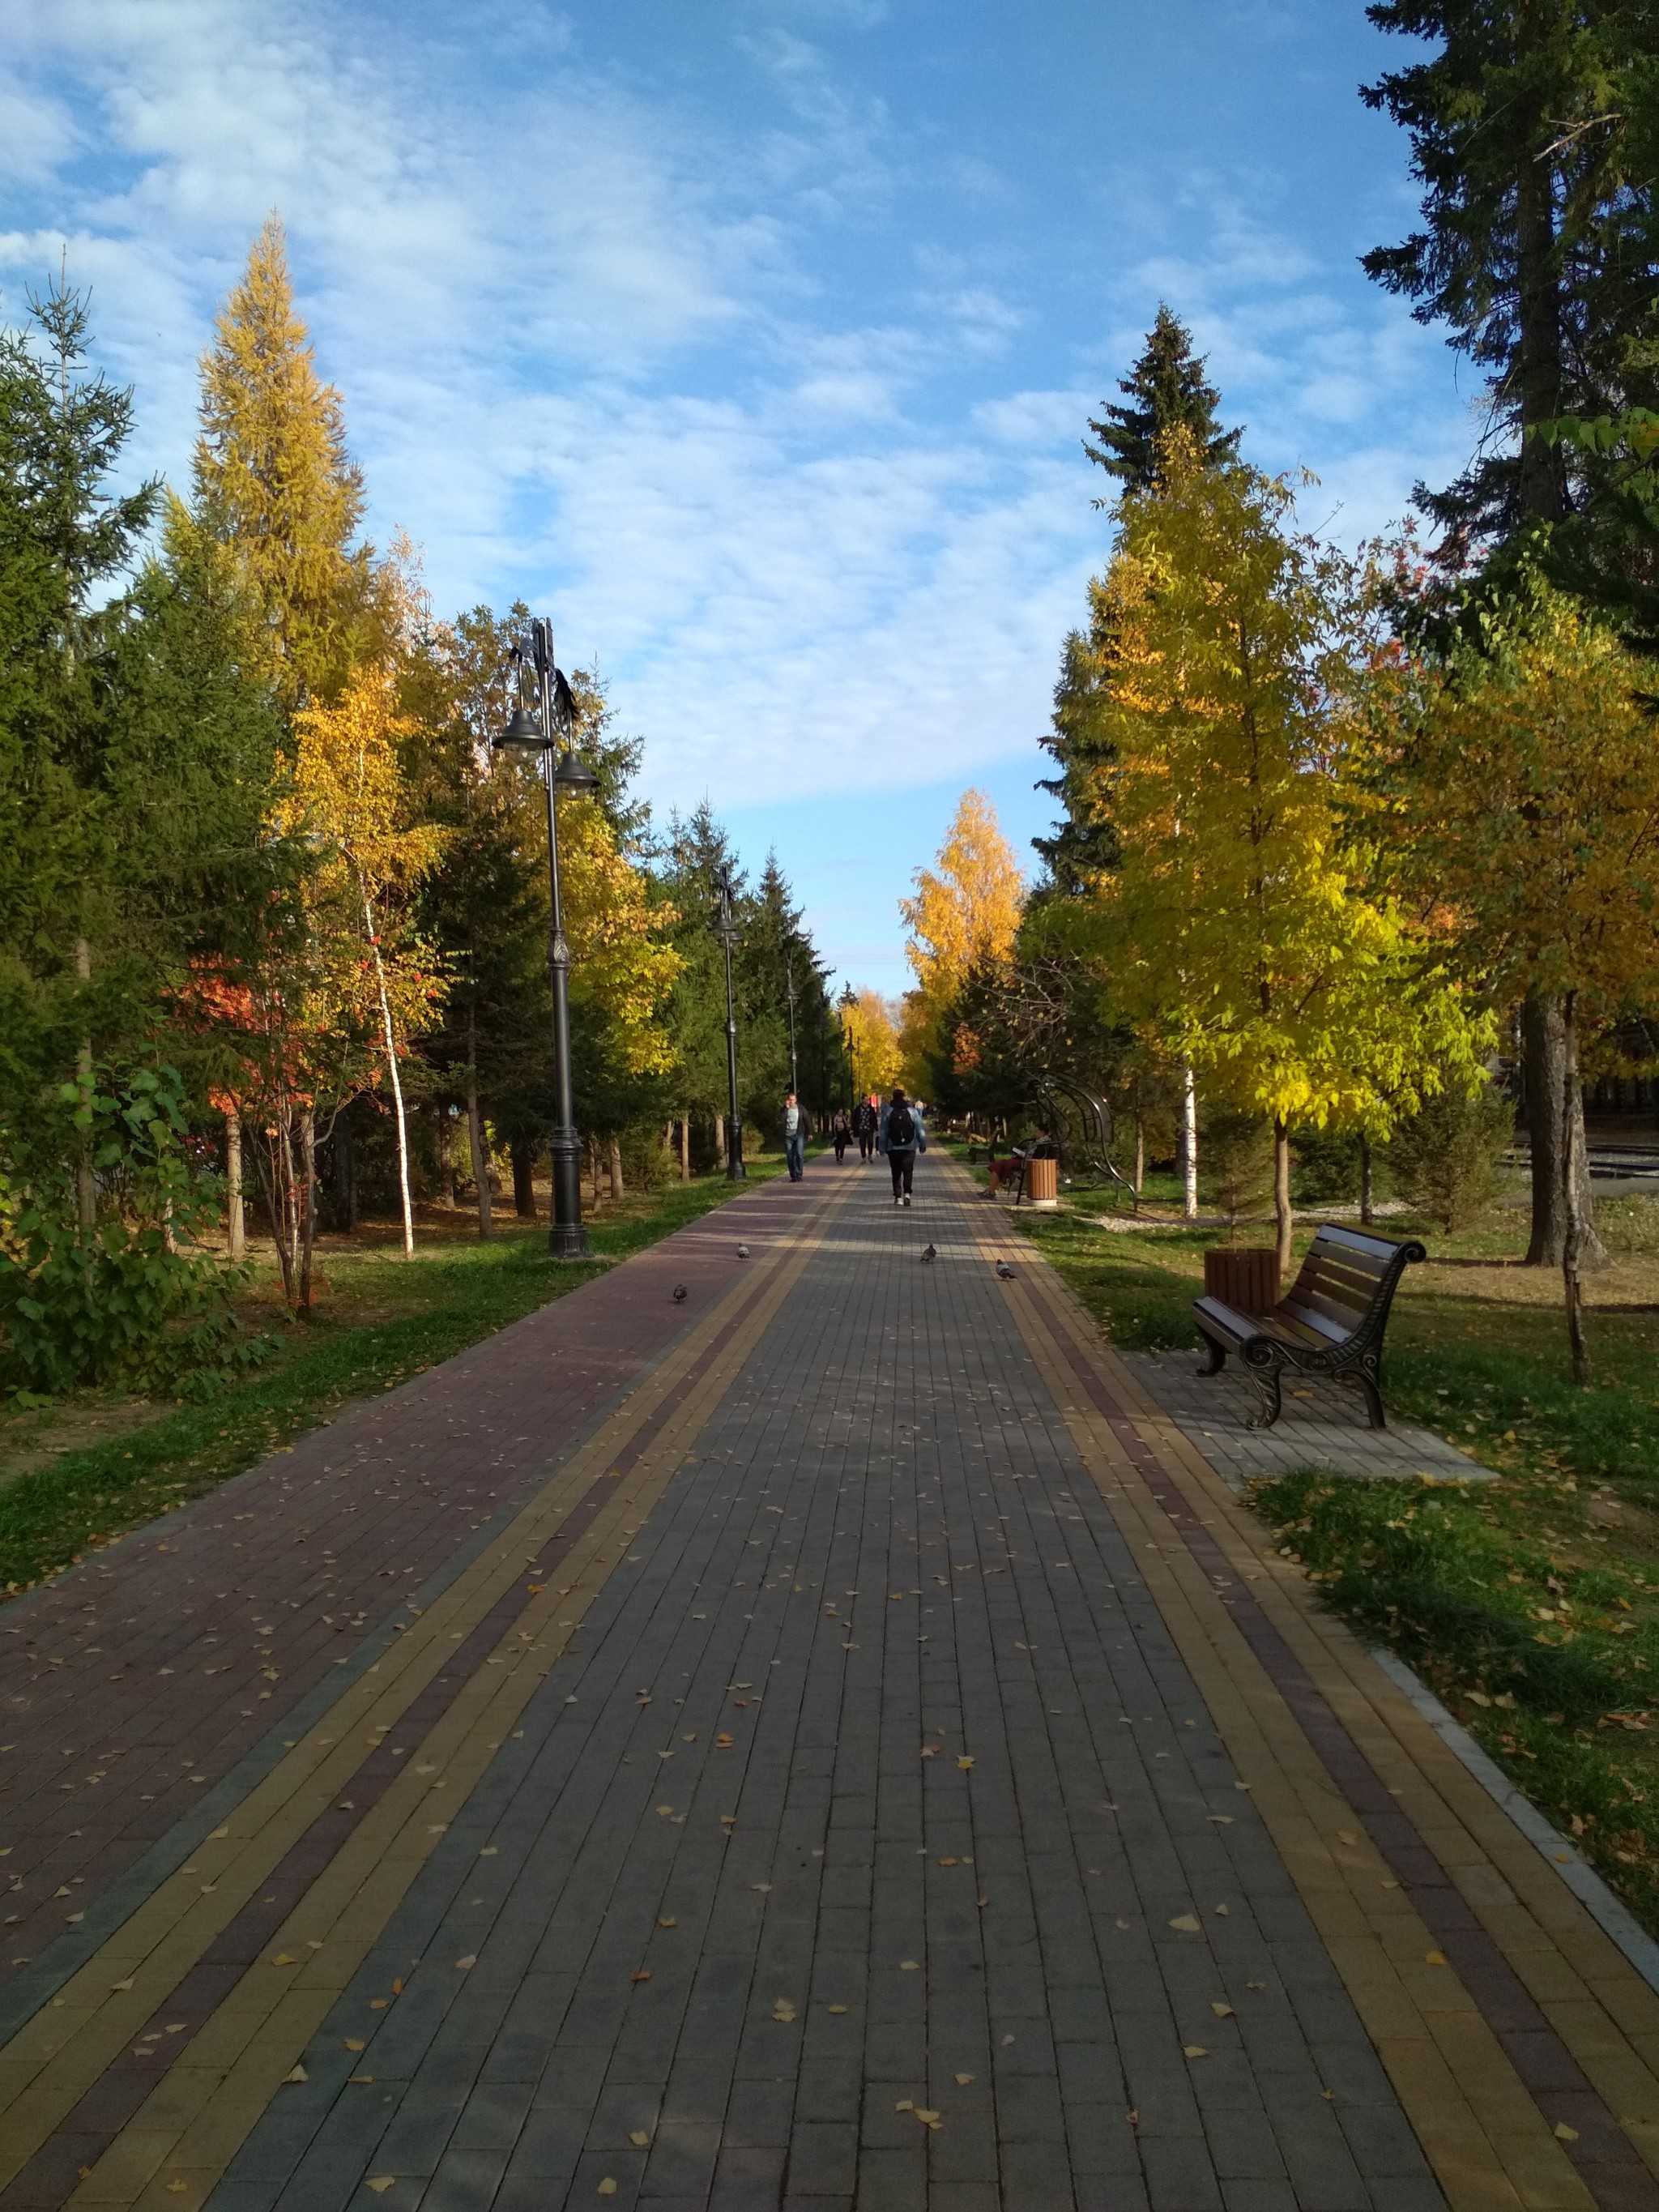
1329	1323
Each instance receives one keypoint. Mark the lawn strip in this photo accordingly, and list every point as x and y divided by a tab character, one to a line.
458	1293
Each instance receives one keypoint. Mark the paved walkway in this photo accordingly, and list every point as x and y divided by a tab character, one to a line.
832	1743
1319	1425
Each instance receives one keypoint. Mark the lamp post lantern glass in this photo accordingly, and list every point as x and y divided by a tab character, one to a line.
547	730
725	928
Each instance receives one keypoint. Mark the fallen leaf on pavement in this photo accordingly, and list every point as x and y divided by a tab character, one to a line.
837	2008
1434	1958
668	1923
1564	2133
640	1974
470	1959
607	2187
963	2080
380	2183
783	2010
639	2138
355	2043
285	1959
909	1966
1222	2011
965	1762
1186	1923
1193	2051
1346	1836
298	2075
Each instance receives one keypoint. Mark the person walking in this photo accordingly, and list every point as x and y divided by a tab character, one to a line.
794	1137
864	1123
902	1137
840	1130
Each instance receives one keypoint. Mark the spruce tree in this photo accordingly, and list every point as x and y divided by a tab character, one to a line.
1531	130
1164	388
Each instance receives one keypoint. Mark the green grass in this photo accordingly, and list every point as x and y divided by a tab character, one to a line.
380	1320
1530	1604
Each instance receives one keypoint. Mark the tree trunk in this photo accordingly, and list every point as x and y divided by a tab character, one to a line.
719	1141
1542	484
86	1189
615	1168
1547	1090
685	1148
524	1183
345	1158
474	1132
1572	1122
446	1158
1141	1157
397	1080
1189	1143
1282	1212
235	1223
1366	1215
307	1209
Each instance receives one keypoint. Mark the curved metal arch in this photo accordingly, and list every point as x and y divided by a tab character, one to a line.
1097	1115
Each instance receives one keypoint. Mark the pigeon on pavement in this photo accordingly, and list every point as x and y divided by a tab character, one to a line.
1005	1271
932	1252
743	1251
679	1294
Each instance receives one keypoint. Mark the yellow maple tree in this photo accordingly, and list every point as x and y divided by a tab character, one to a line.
966	914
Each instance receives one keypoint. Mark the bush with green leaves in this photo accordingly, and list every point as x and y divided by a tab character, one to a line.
1447	1158
136	1299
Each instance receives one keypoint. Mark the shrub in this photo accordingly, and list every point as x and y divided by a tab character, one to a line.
1236	1166
129	1300
1446	1159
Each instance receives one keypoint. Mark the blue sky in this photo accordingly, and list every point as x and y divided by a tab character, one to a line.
753	340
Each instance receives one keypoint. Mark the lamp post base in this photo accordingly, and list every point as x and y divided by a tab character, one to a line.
568	1240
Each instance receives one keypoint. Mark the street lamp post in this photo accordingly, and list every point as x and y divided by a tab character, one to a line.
789	983
546	732
725	928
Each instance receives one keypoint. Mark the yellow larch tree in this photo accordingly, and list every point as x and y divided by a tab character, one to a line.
276	484
965	915
873	1022
1241	939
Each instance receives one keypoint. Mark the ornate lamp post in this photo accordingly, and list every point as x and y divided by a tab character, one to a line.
725	928
547	730
789	981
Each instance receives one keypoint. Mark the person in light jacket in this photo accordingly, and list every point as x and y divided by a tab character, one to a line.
902	1137
794	1136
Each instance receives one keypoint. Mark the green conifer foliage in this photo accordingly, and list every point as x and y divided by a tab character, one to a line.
1165	389
1532	128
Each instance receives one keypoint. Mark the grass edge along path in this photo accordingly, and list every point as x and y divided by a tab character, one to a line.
87	1499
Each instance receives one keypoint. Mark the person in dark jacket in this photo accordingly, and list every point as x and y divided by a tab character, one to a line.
794	1136
840	1130
866	1121
902	1136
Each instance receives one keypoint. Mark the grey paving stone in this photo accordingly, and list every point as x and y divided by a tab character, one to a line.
890	1435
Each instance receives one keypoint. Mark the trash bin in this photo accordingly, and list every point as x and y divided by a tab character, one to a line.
1042	1183
1243	1276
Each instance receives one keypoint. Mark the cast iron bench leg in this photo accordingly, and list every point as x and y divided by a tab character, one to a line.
1218	1356
1266	1380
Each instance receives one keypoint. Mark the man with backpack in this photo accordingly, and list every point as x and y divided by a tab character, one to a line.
902	1137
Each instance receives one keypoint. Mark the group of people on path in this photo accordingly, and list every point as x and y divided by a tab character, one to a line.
895	1128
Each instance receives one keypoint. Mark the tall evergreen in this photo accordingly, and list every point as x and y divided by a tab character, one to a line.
1164	388
1532	134
1166	391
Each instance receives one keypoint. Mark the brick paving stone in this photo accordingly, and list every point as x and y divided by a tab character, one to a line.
882	1544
